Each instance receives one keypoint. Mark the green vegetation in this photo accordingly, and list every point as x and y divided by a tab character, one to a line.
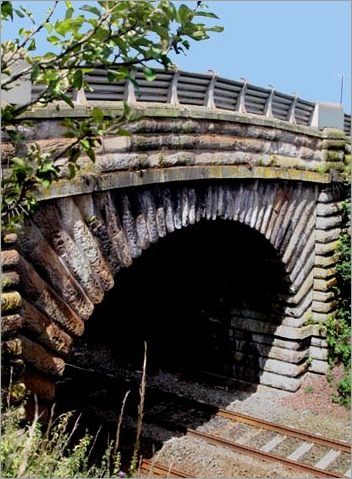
338	328
115	36
32	450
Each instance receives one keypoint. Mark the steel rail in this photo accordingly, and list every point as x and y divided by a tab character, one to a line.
160	470
266	456
287	431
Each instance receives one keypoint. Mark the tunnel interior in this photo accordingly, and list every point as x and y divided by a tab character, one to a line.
178	297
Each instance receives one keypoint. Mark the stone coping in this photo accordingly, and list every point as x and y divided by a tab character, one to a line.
125	179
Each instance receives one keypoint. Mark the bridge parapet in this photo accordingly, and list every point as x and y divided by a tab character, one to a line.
185	88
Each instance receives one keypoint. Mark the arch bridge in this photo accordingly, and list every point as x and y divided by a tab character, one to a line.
224	205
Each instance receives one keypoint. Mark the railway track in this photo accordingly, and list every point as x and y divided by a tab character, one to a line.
154	469
250	436
330	450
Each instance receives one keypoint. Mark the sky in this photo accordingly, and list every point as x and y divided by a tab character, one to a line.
300	47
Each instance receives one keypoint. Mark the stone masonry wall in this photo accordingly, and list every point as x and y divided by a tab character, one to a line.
269	175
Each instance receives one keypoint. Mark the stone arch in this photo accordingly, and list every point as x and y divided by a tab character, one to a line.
73	248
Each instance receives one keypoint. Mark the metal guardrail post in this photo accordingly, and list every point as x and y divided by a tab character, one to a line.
291	112
172	93
129	93
79	96
240	105
268	105
209	96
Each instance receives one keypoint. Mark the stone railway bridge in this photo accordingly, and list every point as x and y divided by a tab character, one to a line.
255	195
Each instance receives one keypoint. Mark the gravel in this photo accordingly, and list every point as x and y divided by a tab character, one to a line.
309	409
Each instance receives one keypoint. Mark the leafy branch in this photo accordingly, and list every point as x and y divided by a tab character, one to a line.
114	35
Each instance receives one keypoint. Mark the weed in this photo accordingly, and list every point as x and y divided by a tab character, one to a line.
30	450
308	389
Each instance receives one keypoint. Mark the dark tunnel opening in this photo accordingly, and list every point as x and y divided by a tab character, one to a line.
183	297
179	296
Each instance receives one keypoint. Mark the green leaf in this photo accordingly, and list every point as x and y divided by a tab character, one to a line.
184	13
6	10
71	171
90	153
98	114
66	99
19	13
206	14
91	9
28	13
77	79
53	39
85	143
32	46
69	13
149	73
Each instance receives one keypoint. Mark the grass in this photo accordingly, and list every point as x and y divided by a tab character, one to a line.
31	450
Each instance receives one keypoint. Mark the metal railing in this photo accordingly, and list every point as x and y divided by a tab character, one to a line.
184	88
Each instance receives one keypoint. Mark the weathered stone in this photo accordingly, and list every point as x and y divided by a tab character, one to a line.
11	301
326	236
319	342
323	296
286	332
282	368
10	280
324	285
112	144
9	258
41	359
323	307
326	262
328	222
318	367
47	301
328	209
75	225
39	385
324	273
12	347
10	324
326	248
48	334
17	392
9	238
269	379
317	352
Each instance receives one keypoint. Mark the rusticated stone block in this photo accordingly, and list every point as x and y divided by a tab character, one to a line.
12	347
9	239
10	302
320	307
42	387
319	353
324	285
10	280
10	324
9	258
323	296
41	359
48	333
47	300
318	367
17	392
326	248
